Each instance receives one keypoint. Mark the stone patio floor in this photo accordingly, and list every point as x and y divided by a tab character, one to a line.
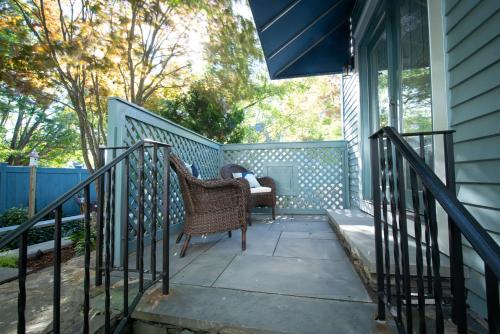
294	277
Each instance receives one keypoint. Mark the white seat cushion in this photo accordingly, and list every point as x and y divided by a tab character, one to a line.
258	190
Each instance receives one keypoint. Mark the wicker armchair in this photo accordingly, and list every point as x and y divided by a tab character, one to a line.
211	205
256	199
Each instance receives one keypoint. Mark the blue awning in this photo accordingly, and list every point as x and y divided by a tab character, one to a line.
303	37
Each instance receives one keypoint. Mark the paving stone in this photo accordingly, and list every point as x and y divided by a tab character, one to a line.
7	274
301	226
231	311
294	276
309	235
204	270
259	242
310	249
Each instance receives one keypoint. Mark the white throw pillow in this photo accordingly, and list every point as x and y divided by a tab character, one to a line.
250	177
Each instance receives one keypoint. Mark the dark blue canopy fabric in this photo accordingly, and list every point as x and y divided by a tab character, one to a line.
303	37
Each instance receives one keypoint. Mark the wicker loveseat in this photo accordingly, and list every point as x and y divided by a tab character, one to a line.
211	206
255	199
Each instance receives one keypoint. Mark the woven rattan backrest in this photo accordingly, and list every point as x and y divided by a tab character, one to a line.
226	172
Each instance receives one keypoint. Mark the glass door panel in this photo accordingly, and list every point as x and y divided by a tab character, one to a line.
380	83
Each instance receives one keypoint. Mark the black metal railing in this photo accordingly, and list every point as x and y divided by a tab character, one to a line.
390	153
106	179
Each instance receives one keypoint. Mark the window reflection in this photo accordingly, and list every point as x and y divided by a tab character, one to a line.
415	95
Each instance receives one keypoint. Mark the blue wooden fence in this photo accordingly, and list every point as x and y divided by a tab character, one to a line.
51	183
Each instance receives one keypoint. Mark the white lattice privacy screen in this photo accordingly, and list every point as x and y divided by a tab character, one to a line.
310	176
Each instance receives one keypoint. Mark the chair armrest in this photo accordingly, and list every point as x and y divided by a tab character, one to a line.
266	181
222	183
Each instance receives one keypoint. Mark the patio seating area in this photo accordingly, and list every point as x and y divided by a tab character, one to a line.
293	277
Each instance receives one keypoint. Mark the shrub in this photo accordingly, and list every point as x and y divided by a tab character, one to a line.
8	261
13	216
17	216
78	239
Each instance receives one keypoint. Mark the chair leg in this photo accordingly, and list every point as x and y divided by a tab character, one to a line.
229	234
243	239
179	237
274	212
185	246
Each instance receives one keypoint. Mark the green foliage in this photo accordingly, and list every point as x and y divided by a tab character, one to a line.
8	261
13	216
78	239
27	126
17	216
306	110
202	109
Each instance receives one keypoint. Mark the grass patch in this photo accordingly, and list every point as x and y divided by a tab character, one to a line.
8	261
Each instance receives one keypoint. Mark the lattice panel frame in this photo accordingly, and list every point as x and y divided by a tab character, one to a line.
127	125
321	171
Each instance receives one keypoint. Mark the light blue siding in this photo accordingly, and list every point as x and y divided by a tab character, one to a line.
473	51
350	114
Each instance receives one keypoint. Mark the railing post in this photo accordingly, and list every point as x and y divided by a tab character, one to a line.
56	322
492	300
21	298
166	221
459	308
378	226
100	220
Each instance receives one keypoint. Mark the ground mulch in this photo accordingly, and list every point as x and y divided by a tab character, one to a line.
46	259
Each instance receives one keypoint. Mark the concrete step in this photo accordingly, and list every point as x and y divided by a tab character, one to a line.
222	310
357	231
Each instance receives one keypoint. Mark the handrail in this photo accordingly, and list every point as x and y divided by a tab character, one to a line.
481	241
73	191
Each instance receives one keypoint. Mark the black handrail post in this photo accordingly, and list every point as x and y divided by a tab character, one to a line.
86	282
140	227
100	220
21	298
459	308
154	209
166	221
56	322
492	300
125	236
378	226
107	265
403	229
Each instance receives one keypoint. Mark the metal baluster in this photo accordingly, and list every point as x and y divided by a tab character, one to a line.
21	297
426	222
492	301
56	322
86	279
112	211
436	265
100	222
166	221
419	256
459	308
386	223
378	227
125	237
154	213
107	276
403	228
390	170
140	228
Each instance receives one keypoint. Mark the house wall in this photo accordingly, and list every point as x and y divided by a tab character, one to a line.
472	38
350	124
471	64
